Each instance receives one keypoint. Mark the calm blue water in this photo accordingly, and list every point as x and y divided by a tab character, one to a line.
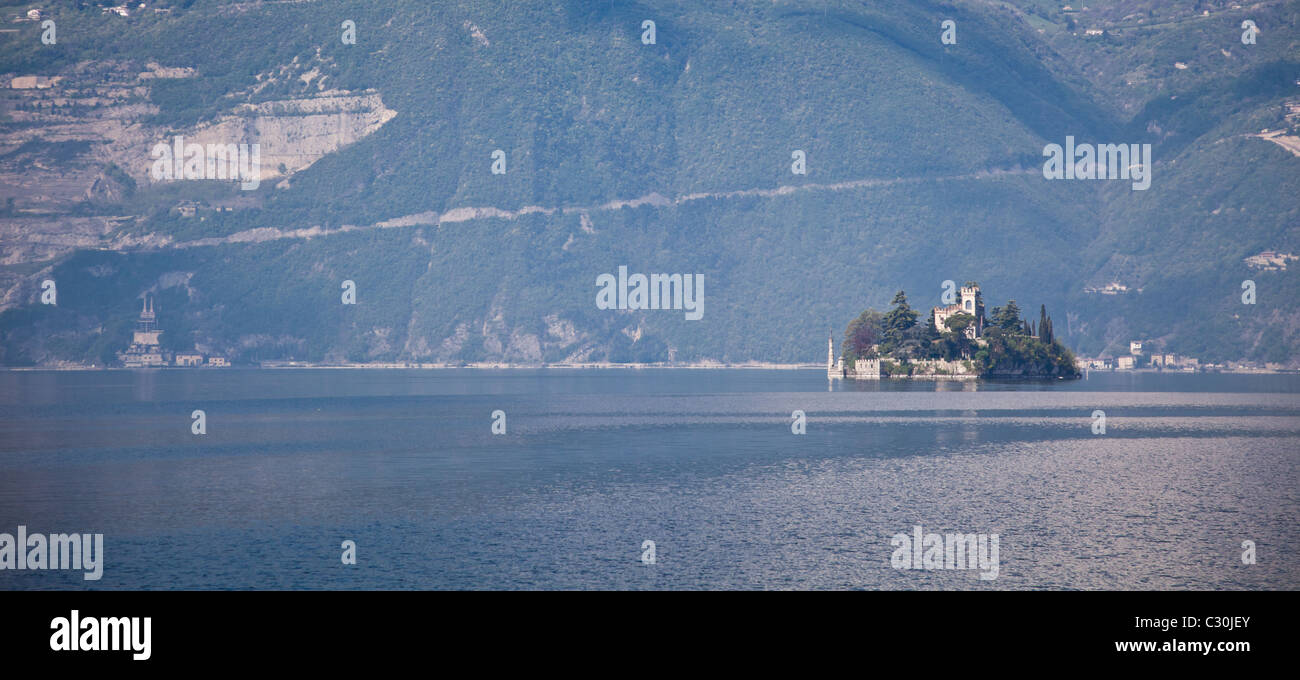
701	462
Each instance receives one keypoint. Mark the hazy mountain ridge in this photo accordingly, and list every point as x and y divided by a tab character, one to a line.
587	114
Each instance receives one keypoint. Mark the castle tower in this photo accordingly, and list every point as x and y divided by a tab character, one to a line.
972	302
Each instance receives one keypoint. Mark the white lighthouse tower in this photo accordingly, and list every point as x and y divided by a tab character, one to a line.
833	367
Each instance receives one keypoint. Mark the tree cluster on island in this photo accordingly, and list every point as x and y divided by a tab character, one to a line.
1009	346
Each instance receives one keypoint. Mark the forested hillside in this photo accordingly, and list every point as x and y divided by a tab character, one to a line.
924	163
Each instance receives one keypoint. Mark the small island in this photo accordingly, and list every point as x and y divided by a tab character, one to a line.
956	342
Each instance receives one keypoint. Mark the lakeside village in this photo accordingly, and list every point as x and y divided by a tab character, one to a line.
1145	357
1138	360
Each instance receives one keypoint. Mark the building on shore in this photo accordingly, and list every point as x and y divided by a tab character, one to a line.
145	350
1157	361
862	369
865	369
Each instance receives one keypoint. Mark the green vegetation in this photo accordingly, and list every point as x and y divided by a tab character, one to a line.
951	136
1018	355
1010	346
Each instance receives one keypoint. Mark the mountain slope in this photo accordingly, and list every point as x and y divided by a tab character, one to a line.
923	164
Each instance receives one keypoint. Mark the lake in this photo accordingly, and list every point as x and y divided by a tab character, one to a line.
596	462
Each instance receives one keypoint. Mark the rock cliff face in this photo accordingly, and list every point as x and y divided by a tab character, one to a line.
292	133
75	150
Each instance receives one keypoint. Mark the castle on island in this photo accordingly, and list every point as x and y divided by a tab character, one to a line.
971	303
146	351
